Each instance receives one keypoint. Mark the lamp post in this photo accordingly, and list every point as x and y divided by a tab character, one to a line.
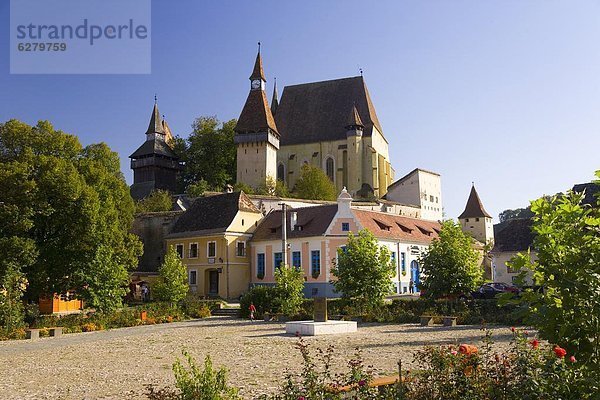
283	233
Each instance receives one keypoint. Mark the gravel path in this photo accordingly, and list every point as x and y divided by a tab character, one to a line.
119	363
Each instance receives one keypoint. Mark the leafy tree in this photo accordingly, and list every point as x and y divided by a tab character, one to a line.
242	187
172	285
516	213
364	271
273	188
106	285
290	283
12	287
314	184
567	245
61	202
159	200
197	189
209	153
450	264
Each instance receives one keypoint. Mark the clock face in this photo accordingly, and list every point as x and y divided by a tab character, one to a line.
255	84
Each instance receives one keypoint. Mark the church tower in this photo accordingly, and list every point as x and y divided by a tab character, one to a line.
155	165
353	174
475	220
257	138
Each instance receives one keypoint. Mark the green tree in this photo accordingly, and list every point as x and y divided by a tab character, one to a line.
273	188
197	189
567	245
12	287
516	213
364	271
290	283
172	284
242	187
209	153
159	200
450	264
314	184
59	204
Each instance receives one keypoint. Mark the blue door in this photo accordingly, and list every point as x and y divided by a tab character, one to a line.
414	274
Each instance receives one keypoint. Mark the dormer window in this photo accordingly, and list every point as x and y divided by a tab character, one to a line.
382	225
404	228
424	231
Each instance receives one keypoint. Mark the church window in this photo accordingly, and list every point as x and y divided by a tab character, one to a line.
345	167
329	168
281	173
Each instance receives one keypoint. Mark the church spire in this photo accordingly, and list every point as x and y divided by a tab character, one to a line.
257	72
474	207
155	125
275	100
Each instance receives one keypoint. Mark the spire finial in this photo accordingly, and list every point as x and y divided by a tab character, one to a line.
155	98
472	183
259	47
361	71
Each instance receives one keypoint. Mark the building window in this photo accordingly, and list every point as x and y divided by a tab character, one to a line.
315	263
193	275
403	263
431	198
260	265
281	173
297	259
278	259
194	250
476	219
211	249
393	258
329	168
345	226
466	219
240	249
179	250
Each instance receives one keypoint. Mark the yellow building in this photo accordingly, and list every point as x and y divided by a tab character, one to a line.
331	125
212	239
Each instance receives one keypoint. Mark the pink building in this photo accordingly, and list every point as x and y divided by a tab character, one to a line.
316	233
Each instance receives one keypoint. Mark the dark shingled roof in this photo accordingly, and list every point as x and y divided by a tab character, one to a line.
474	207
154	147
256	115
257	72
513	235
213	213
155	125
316	112
354	118
590	189
313	220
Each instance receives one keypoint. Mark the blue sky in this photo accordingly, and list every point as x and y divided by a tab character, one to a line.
502	93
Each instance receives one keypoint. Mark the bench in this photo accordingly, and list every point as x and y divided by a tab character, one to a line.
426	320
32	334
449	321
382	381
56	332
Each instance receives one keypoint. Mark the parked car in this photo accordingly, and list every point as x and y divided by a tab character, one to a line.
490	290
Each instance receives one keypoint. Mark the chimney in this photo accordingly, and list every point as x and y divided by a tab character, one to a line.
293	220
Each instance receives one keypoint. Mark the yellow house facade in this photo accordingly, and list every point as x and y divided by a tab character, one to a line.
212	238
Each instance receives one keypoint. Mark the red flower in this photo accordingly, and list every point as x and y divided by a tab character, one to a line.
362	383
534	343
560	352
572	359
512	329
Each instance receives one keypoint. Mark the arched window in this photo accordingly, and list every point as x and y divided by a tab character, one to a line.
280	173
329	170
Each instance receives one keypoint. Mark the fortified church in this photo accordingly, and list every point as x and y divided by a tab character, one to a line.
232	241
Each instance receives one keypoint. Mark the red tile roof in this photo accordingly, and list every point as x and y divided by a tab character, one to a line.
389	226
474	207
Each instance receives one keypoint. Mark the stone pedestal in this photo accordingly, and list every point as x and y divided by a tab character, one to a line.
313	328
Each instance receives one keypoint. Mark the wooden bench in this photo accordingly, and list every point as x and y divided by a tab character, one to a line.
449	321
382	381
32	334
426	320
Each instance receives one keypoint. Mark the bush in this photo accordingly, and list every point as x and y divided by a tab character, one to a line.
195	307
264	298
290	283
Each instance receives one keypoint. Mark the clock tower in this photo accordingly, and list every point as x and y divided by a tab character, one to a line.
257	138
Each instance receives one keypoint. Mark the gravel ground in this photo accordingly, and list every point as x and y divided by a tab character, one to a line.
119	363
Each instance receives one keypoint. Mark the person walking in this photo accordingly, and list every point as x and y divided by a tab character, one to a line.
252	311
411	286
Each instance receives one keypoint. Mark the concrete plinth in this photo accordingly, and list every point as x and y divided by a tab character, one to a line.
312	328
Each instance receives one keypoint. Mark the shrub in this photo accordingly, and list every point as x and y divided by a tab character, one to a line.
290	283
172	284
206	384
264	298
